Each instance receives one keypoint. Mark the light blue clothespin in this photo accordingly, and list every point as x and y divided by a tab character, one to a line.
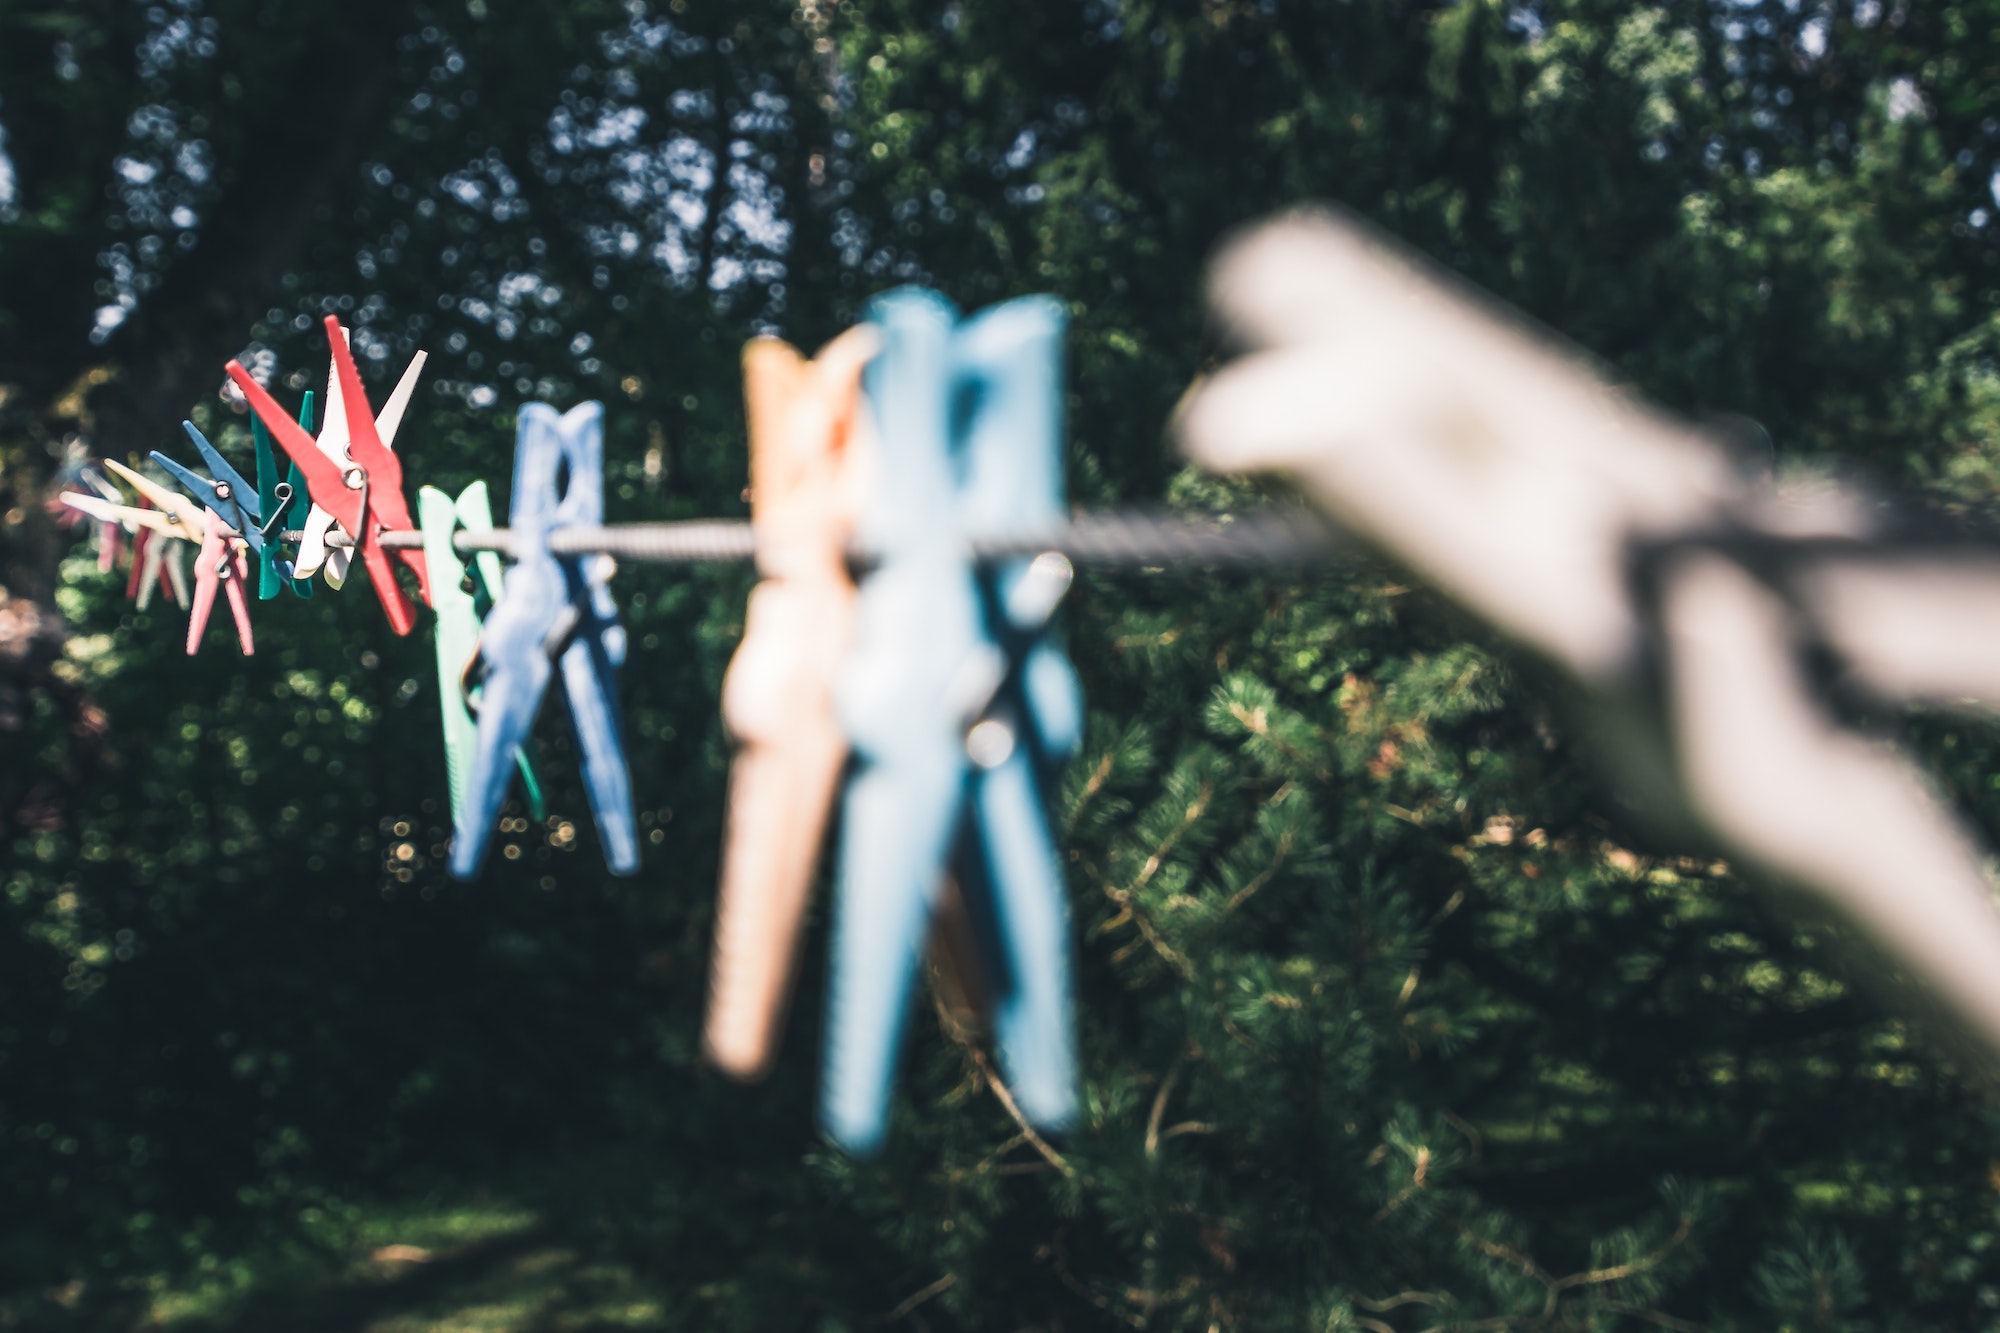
552	609
231	497
958	709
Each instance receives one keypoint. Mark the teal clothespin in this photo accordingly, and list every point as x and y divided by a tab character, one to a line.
280	509
462	594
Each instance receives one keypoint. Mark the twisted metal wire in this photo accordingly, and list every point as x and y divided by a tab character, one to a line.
1114	539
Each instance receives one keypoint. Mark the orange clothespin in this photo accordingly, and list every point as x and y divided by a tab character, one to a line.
806	455
222	561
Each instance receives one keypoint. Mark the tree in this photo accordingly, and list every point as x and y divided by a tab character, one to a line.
1390	1018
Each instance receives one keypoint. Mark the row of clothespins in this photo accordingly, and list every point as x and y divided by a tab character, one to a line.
925	697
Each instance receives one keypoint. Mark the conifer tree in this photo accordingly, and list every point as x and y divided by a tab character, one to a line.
1392	1017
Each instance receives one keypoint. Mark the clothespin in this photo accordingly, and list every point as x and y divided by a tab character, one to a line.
554	609
806	447
107	533
128	516
157	560
173	517
176	516
139	574
314	556
155	548
280	501
231	498
957	708
366	496
221	562
461	595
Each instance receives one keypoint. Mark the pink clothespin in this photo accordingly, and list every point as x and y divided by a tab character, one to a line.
108	533
222	561
777	699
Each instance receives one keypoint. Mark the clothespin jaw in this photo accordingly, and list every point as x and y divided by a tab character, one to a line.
555	612
957	711
365	498
281	502
807	445
185	519
228	495
132	517
460	594
222	563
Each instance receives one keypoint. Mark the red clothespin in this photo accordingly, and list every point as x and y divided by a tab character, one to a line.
222	561
365	499
140	540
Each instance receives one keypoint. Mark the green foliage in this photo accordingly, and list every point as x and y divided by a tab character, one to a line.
1391	1017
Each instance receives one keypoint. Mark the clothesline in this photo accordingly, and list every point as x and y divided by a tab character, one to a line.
1116	539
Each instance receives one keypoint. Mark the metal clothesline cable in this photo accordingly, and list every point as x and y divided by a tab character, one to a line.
1113	539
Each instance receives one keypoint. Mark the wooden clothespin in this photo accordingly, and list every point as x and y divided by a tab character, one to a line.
806	445
1695	614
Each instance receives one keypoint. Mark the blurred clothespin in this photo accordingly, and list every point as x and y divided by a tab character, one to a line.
806	438
157	559
132	517
166	518
108	533
366	495
281	501
554	610
228	496
222	562
957	708
173	514
461	595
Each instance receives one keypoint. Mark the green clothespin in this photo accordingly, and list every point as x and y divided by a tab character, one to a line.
461	595
272	574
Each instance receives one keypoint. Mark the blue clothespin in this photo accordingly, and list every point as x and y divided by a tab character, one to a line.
553	609
959	710
277	501
233	498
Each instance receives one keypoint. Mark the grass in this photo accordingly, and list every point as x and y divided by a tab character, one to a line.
486	1266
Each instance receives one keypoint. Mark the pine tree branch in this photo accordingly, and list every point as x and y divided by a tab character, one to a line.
1264	876
1160	1106
1127	898
1557	1287
1006	1098
1099	775
1396	1302
937	1288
